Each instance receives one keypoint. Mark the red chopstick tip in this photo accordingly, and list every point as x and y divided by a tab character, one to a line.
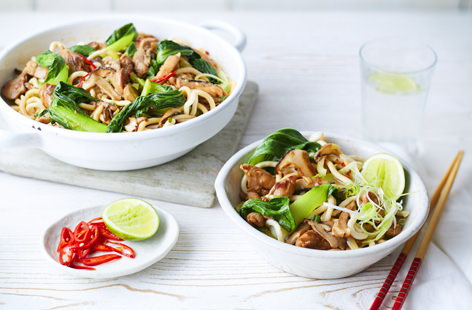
388	282
401	297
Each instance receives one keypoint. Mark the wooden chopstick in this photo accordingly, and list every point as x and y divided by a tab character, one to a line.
409	244
433	222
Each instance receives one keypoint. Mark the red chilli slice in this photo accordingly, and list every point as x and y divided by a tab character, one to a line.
90	63
67	255
164	78
102	248
105	232
67	238
96	220
75	266
121	248
75	248
98	260
81	232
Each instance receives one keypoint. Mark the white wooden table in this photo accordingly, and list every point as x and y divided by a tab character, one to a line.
308	72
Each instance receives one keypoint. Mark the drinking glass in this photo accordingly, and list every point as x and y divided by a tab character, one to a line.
396	76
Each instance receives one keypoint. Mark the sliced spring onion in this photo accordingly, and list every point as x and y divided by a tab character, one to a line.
353	213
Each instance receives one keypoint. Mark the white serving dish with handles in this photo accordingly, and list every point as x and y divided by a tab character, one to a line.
312	263
123	151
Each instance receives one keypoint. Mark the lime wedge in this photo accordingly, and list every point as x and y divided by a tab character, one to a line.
131	219
385	171
392	83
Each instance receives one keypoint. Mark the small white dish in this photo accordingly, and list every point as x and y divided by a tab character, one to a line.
147	251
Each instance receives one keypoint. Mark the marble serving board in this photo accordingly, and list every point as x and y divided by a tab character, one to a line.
187	180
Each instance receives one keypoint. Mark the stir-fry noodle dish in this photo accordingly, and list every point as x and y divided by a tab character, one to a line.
130	82
308	193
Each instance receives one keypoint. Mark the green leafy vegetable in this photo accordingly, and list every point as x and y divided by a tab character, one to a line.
58	71
64	109
85	50
121	38
305	205
153	68
150	87
278	143
131	50
46	59
277	208
168	98
203	66
167	48
137	80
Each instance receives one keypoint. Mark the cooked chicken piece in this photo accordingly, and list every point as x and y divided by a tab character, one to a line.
122	69
253	195
33	69
97	45
340	228
103	84
146	49
393	231
312	240
301	229
256	219
45	92
328	149
307	183
144	36
259	181
285	187
127	64
75	61
168	66
295	161
141	63
129	93
213	89
14	88
104	71
332	240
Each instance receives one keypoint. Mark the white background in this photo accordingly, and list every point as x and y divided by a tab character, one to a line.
307	67
229	5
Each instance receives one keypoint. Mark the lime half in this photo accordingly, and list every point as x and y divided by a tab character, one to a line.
385	171
392	83
131	219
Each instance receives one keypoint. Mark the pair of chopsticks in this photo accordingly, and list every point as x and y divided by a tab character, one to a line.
437	203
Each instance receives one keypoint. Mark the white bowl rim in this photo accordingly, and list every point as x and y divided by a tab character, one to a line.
391	243
240	84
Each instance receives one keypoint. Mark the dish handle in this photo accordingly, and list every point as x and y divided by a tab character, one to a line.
239	38
15	139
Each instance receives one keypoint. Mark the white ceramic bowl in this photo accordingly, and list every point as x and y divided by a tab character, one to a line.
312	263
123	151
